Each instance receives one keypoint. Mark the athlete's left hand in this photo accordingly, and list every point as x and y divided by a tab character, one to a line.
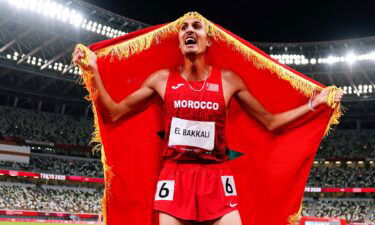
322	97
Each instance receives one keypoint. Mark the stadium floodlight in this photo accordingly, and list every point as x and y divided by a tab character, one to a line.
372	56
38	62
338	162
312	60
350	58
333	59
54	10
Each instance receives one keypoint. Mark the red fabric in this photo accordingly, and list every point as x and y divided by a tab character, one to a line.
214	110
199	193
271	175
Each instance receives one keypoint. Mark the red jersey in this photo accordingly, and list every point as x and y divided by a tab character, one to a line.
194	117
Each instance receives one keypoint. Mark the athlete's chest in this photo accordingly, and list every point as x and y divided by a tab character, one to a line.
188	93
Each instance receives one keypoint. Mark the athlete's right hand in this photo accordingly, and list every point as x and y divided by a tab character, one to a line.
79	54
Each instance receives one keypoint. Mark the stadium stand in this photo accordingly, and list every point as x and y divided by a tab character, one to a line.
49	198
45	127
353	210
348	144
341	177
75	200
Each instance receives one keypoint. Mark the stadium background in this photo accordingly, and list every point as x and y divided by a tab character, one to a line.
47	166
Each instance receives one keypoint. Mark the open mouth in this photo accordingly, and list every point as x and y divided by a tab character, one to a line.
190	41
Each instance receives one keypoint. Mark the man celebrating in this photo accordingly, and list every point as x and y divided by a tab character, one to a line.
195	182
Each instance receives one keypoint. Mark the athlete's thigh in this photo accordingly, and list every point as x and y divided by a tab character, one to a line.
165	219
232	218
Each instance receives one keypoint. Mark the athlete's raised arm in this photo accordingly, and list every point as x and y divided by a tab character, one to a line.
136	101
238	89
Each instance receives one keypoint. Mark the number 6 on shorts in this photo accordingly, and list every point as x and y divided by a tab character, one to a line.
229	186
165	190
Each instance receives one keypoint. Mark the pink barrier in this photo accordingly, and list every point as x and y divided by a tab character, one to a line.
49	221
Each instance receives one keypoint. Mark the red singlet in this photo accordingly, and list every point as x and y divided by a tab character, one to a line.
195	119
194	182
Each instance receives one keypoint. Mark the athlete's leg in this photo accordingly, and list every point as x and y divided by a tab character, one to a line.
232	218
165	219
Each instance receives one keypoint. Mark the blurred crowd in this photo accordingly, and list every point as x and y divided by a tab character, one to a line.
348	144
354	210
342	177
76	200
23	197
43	126
52	199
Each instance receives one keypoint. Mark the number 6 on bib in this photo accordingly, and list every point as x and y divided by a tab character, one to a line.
229	186
165	190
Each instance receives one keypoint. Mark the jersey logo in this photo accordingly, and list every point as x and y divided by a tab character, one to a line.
177	86
232	205
212	87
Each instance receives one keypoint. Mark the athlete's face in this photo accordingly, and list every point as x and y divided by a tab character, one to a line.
193	37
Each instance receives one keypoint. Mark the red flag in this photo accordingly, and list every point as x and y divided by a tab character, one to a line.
272	173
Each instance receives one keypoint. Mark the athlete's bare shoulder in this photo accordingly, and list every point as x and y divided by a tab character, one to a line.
157	78
231	80
158	81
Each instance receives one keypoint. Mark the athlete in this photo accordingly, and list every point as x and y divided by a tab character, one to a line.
195	185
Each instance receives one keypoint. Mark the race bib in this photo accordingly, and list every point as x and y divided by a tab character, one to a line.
192	133
229	186
165	190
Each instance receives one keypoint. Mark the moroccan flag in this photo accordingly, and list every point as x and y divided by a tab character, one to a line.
271	173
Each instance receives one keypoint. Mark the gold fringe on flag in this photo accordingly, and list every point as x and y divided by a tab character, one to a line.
87	79
292	220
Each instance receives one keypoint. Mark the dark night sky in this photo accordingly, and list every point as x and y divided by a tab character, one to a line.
262	21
